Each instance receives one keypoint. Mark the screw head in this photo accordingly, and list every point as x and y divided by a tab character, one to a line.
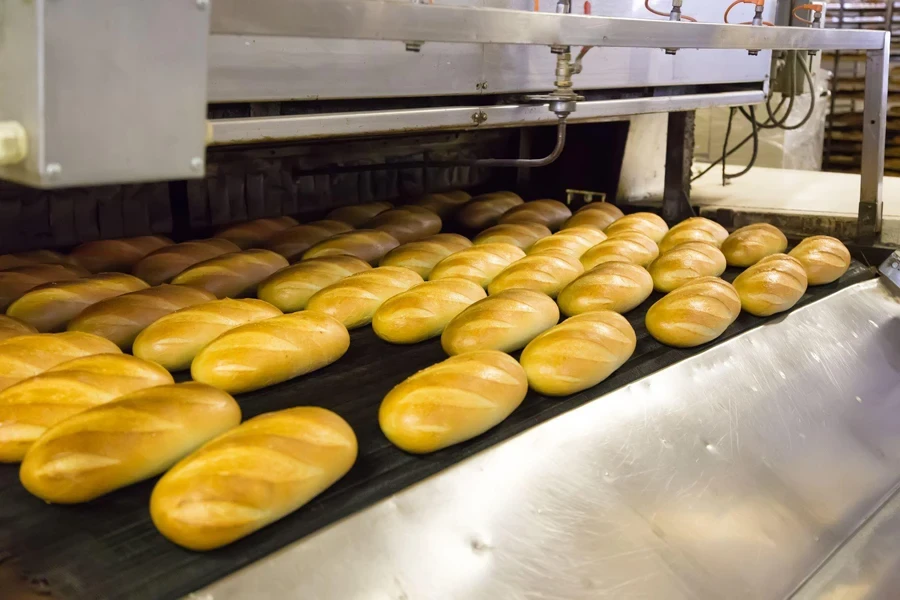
202	4
197	163
53	169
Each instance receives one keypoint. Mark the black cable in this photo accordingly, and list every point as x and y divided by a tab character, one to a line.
782	122
725	144
755	136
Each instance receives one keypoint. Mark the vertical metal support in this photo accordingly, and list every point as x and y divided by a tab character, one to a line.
679	156
874	131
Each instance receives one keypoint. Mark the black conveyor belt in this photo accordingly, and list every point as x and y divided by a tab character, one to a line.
109	548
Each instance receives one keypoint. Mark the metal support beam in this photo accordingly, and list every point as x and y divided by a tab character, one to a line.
874	132
679	156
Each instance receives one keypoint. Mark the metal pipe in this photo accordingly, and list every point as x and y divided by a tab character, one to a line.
526	163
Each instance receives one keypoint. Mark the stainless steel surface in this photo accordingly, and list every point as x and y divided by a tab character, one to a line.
890	269
878	66
733	474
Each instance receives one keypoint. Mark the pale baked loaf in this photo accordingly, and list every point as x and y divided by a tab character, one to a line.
174	340
578	353
407	223
604	206
823	257
598	215
251	476
646	223
35	257
715	233
135	437
117	255
747	245
772	285
255	233
122	318
548	272
423	255
290	289
484	211
574	240
630	247
10	328
422	312
479	264
30	407
443	204
615	286
354	300
162	265
549	213
696	313
233	275
291	243
264	353
18	280
25	356
685	262
369	245
452	401
358	214
50	307
521	235
506	321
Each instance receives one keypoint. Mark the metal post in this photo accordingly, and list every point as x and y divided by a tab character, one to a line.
679	156
874	131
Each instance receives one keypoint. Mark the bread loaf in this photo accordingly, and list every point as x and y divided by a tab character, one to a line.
423	255
251	476
747	245
174	340
604	206
646	223
772	285
824	258
30	407
484	211
290	289
578	353
452	401
696	313
443	204
264	353
232	275
26	356
574	240
630	247
549	213
18	280
255	233
291	243
479	264
686	262
354	300
615	286
407	223
458	195
117	255
506	321
162	265
369	245
35	257
548	273
135	437
521	235
598	215
694	229
50	307
358	214
10	328
422	312
122	318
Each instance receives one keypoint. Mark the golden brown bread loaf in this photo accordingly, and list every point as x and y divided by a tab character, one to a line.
694	229
604	206
549	213
696	313
479	264
117	255
174	340
506	321
122	318
823	257
443	204
548	272
407	223
484	211
233	275
135	437
264	353
369	245
25	356
423	255
615	286
629	246
452	401
646	223
598	215
574	240
685	262
291	243
35	257
30	407
578	353
50	307
251	476
162	265
18	280
10	328
747	245
359	214
772	285
521	235
423	311
290	289
255	233
354	300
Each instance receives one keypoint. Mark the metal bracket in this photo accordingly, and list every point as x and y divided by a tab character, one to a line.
890	270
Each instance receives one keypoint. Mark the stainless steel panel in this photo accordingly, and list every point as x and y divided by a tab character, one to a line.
733	474
878	67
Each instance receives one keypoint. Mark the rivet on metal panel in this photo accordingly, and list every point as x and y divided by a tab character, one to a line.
197	163
479	117
484	85
53	170
202	4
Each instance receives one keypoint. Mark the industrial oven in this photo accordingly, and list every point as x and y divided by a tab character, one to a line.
763	465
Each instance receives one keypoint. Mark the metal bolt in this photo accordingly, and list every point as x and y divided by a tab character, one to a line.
414	46
202	4
484	85
53	169
479	117
197	164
